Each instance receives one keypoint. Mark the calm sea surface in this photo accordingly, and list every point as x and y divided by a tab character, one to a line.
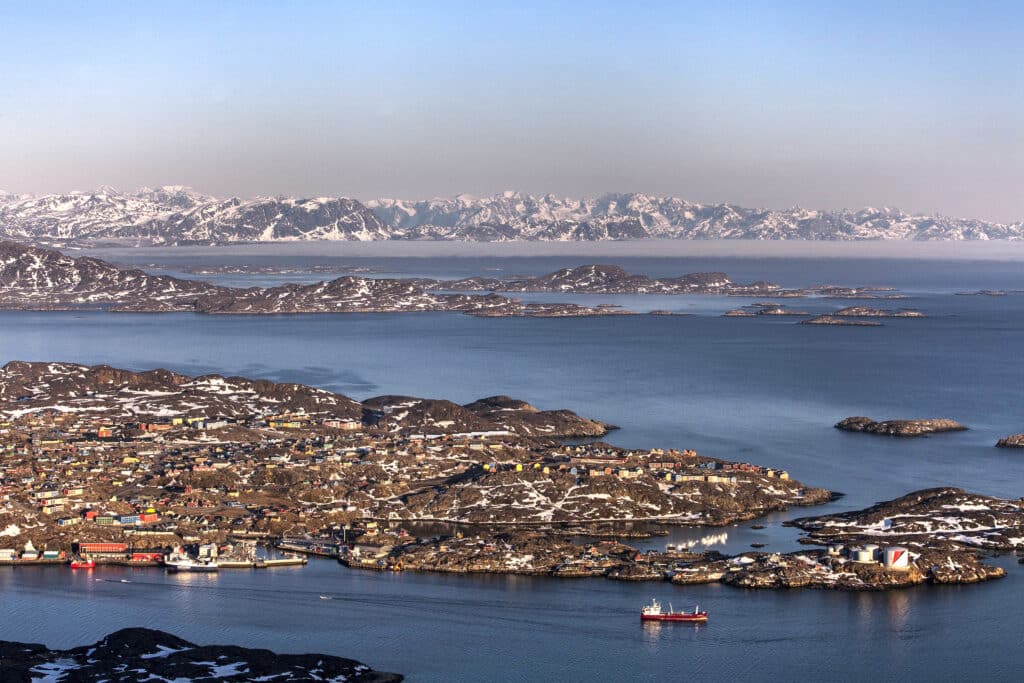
764	390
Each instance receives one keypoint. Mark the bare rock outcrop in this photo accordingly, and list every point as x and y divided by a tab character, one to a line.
899	427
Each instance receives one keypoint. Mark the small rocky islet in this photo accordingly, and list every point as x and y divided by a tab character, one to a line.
860	316
142	654
899	427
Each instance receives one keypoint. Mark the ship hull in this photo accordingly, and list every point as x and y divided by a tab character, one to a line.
192	568
688	618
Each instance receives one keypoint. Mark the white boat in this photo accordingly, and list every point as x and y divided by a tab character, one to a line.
189	565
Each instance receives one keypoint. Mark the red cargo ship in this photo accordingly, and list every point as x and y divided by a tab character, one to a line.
653	612
83	564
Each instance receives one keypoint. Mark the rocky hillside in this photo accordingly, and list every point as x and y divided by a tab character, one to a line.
101	389
534	496
495	413
146	396
926	517
142	654
179	215
44	278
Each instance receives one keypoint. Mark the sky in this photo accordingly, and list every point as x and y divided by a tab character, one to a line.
916	105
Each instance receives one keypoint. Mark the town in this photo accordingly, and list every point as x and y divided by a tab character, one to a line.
108	466
153	464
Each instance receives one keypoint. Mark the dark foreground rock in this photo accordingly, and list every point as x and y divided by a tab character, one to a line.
139	654
899	427
1012	441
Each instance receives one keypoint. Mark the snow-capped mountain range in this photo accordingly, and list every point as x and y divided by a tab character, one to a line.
180	215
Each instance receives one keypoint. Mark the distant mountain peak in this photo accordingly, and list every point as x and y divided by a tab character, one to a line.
177	214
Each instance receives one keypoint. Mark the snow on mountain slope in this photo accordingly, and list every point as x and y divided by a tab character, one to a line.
179	215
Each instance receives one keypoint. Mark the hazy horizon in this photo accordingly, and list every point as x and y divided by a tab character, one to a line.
819	105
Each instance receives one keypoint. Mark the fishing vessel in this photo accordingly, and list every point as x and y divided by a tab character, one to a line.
189	565
83	564
653	612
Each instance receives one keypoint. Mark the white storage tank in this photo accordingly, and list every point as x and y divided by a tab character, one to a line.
876	552
835	549
863	555
896	557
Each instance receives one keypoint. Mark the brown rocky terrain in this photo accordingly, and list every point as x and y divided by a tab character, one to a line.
899	427
1012	441
926	518
139	654
101	390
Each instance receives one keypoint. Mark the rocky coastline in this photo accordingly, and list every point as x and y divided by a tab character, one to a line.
140	654
151	460
1012	441
935	536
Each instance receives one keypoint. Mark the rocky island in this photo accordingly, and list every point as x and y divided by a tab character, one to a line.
611	279
899	427
851	315
1012	441
827	319
43	279
866	312
33	278
142	654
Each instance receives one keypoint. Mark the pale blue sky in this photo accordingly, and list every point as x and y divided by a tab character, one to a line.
764	104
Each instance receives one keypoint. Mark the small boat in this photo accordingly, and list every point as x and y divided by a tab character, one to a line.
325	597
83	564
653	612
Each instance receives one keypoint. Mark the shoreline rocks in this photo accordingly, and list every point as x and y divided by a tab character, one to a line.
899	427
1012	441
135	654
